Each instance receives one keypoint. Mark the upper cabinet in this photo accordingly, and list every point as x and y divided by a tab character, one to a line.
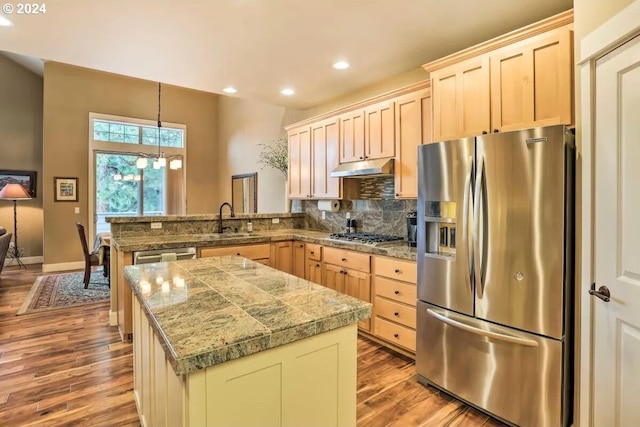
461	99
413	128
520	80
531	82
379	130
368	133
313	154
352	136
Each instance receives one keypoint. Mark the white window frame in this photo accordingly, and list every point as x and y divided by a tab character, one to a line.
126	148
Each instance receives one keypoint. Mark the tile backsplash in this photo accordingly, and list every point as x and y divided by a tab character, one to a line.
375	211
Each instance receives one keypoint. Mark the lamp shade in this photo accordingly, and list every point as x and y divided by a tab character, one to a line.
14	192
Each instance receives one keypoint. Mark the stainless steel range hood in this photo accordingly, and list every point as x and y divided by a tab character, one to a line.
364	168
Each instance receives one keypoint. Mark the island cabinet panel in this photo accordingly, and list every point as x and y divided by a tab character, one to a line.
311	382
119	261
531	82
313	263
282	256
461	103
260	252
352	136
299	259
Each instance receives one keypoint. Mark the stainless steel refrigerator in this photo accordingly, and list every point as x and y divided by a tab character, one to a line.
495	273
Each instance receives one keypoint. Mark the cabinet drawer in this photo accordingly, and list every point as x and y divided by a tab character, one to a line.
400	335
395	290
313	252
352	260
397	269
396	312
249	251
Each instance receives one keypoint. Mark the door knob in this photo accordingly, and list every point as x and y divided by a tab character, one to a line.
602	292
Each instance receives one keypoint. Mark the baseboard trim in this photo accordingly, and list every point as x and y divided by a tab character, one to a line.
25	260
63	266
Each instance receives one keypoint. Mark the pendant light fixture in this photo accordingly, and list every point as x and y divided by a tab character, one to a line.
159	160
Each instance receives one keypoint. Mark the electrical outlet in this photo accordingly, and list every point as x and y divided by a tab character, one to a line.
275	220
156	225
324	215
348	215
77	210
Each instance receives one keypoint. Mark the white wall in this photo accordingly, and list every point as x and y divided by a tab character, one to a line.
242	125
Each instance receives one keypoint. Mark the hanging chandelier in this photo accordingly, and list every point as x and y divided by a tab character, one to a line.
159	159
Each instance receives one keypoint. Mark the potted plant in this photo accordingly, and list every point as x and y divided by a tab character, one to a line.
276	155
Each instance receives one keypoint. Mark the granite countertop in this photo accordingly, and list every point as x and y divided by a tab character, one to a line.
137	243
211	310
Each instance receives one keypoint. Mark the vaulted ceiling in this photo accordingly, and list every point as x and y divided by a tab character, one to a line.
262	46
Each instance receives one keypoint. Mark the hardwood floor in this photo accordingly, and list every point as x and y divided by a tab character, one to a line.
69	368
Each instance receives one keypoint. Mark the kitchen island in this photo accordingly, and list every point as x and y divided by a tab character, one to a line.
228	341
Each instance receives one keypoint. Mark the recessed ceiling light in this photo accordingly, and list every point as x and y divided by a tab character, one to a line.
229	89
287	91
4	22
341	65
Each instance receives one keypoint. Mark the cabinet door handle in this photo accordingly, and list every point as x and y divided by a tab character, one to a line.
397	194
361	157
396	292
396	314
396	335
311	252
344	260
317	265
397	270
238	254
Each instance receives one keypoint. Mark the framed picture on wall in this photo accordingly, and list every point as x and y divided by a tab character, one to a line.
26	178
65	189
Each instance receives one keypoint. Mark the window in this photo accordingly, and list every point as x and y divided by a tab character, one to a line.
119	187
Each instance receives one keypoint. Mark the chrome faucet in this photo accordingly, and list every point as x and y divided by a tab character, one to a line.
220	229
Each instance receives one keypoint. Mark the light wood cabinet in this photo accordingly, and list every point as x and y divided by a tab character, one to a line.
519	80
259	252
348	272
299	259
531	82
313	154
461	103
119	260
394	303
352	136
282	256
324	153
413	128
299	174
379	130
313	263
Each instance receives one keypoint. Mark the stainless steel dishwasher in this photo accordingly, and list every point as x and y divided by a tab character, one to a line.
162	255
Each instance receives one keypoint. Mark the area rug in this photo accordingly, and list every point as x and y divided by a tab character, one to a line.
56	291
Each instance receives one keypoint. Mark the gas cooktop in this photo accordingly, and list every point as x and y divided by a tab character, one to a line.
367	238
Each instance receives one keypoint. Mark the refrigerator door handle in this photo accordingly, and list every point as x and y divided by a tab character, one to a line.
476	227
465	219
489	334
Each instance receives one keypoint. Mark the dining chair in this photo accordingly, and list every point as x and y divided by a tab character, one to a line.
90	258
5	239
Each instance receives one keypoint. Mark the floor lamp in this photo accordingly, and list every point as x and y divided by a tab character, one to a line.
15	192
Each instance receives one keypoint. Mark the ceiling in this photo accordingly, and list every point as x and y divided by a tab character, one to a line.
262	46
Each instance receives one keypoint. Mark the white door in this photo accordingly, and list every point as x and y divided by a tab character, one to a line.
616	339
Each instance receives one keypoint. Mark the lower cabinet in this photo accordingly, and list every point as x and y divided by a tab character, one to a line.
348	272
282	256
299	260
260	252
394	304
313	263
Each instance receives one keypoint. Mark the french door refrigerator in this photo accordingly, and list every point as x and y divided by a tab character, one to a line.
495	273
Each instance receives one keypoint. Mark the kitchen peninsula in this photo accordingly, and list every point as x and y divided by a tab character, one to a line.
229	341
